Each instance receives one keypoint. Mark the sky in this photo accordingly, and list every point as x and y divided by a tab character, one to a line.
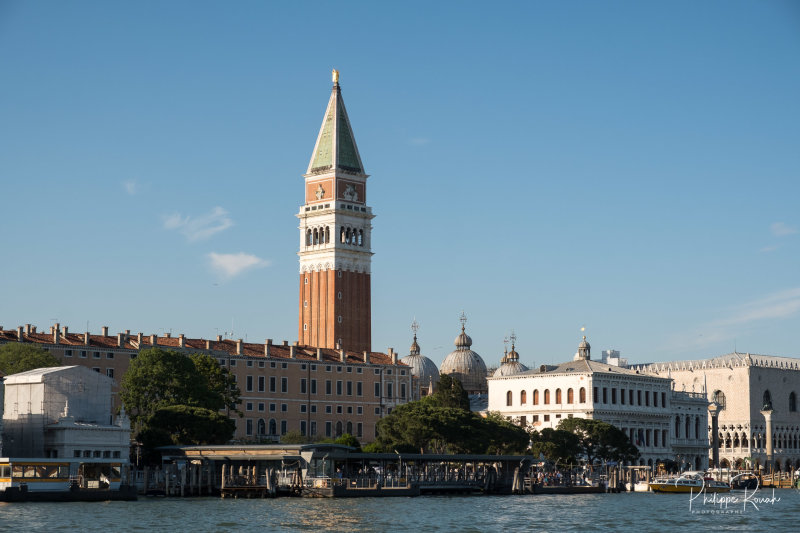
631	168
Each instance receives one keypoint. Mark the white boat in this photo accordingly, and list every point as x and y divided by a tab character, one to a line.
693	482
67	479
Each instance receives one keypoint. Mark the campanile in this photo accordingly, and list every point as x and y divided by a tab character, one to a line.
335	239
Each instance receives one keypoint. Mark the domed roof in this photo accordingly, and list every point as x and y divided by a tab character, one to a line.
465	365
421	367
584	351
511	365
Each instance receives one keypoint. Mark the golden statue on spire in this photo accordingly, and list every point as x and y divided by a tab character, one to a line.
335	76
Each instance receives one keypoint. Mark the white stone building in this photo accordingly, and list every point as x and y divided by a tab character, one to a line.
742	384
62	412
642	405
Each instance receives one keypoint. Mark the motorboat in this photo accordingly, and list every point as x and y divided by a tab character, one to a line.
689	482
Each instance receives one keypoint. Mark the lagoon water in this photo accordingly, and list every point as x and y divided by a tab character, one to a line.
640	512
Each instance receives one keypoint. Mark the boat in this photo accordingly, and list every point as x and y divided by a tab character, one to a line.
67	479
745	481
689	482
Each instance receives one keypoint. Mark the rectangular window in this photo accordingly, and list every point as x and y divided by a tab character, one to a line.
284	407
594	396
403	390
284	365
67	353
338	409
647	398
639	397
622	396
249	363
377	390
110	355
303	408
284	384
303	366
261	364
339	387
272	407
388	371
273	364
249	384
546	418
96	369
313	368
249	406
605	395
303	427
262	383
350	369
313	408
83	354
328	409
655	399
249	427
313	386
96	355
663	399
358	370
359	391
377	410
360	410
261	406
328	386
302	385
327	429
535	418
359	429
349	388
630	396
338	369
377	371
233	362
110	372
313	427
328	368
283	427
613	395
272	383
389	390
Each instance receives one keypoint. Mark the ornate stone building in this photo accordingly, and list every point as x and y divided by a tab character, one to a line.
643	406
742	384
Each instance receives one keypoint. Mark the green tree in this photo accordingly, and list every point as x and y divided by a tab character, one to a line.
449	393
159	378
555	445
600	441
16	357
294	437
193	425
349	440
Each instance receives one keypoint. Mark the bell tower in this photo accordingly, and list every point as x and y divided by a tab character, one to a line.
335	239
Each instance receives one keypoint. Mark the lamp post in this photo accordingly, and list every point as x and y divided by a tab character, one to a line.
713	410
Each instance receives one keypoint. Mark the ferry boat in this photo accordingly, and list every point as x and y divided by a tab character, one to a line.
689	482
51	479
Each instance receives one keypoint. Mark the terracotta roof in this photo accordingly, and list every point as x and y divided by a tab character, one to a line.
217	348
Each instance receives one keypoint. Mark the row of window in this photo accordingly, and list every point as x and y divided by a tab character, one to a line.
83	354
347	235
253	383
332	429
523	397
303	366
304	408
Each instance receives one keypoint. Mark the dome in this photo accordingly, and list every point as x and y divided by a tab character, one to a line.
421	367
510	365
465	365
584	350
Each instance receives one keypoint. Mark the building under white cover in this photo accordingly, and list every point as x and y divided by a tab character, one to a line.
62	412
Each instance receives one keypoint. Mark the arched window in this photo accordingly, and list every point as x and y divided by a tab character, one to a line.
341	234
327	234
262	427
350	428
678	427
570	396
508	398
719	397
582	395
361	237
536	397
523	397
273	427
558	395
767	400
697	427
687	435
792	402
308	238
348	236
546	396
339	428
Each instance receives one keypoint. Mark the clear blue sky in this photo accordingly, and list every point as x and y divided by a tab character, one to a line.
633	167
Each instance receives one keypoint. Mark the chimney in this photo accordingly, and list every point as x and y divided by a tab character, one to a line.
182	341
33	329
342	356
366	357
269	341
127	332
286	343
208	345
239	347
28	329
121	338
153	340
219	338
296	343
168	335
86	337
105	331
319	354
64	330
393	355
139	339
52	329
56	333
266	347
292	353
19	333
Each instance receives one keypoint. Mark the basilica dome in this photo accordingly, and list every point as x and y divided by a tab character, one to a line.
465	365
510	365
422	367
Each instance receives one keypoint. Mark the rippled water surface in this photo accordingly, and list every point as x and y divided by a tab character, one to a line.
639	512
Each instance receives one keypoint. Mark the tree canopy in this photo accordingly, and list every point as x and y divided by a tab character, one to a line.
443	423
600	441
159	378
16	357
556	445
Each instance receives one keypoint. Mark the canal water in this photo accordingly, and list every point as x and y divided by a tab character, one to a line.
640	512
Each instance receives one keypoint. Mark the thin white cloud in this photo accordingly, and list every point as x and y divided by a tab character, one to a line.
231	265
419	141
783	304
131	187
781	229
770	248
201	227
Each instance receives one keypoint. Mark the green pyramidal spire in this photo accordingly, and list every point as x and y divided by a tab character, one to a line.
336	146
